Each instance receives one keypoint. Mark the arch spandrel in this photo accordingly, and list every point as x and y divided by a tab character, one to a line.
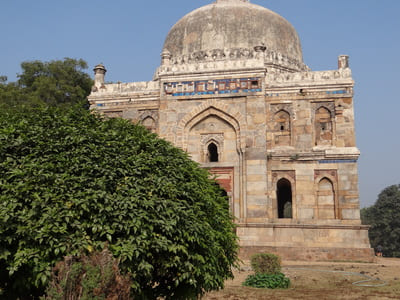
234	118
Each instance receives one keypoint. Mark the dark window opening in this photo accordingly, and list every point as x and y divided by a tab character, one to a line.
284	194
213	152
222	191
282	127
254	83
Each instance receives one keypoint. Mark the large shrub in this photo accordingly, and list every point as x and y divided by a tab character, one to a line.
71	181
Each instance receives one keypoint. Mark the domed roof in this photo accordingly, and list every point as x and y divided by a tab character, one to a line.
232	24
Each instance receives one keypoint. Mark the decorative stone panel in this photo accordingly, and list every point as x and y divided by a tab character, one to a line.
149	119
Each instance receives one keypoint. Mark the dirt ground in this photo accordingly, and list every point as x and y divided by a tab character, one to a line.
321	280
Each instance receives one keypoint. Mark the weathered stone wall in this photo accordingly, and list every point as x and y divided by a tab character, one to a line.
303	134
283	147
301	235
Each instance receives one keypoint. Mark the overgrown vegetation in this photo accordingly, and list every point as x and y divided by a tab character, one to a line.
384	218
94	277
267	269
266	263
71	181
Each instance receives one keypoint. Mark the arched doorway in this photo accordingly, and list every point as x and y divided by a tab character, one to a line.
284	199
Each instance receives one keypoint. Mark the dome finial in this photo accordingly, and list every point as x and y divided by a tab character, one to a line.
222	1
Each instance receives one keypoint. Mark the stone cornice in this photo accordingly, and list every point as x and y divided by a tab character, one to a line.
224	59
344	154
331	77
124	89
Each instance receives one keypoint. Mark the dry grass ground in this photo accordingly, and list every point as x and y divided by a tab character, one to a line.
315	280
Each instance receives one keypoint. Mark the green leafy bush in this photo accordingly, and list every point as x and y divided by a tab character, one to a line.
94	277
71	181
266	263
384	218
267	281
267	269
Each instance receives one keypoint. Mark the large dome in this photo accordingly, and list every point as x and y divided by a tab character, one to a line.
232	24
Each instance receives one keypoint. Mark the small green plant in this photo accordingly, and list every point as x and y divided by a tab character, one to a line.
266	263
267	269
267	281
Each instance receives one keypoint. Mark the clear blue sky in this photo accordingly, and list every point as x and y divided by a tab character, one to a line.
127	36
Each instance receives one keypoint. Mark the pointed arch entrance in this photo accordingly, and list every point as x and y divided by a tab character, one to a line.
212	135
285	199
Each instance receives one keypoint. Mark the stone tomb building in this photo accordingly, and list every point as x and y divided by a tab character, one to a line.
233	91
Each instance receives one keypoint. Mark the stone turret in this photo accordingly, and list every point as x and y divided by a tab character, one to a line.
99	75
343	62
165	57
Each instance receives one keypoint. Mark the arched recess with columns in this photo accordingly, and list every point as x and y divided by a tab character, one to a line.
213	127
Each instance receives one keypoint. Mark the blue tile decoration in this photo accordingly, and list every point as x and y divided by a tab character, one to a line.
213	87
338	161
341	92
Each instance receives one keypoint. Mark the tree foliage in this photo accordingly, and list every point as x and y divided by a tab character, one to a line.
12	96
58	82
72	181
384	218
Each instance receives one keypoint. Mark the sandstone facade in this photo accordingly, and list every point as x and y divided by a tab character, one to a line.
279	137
